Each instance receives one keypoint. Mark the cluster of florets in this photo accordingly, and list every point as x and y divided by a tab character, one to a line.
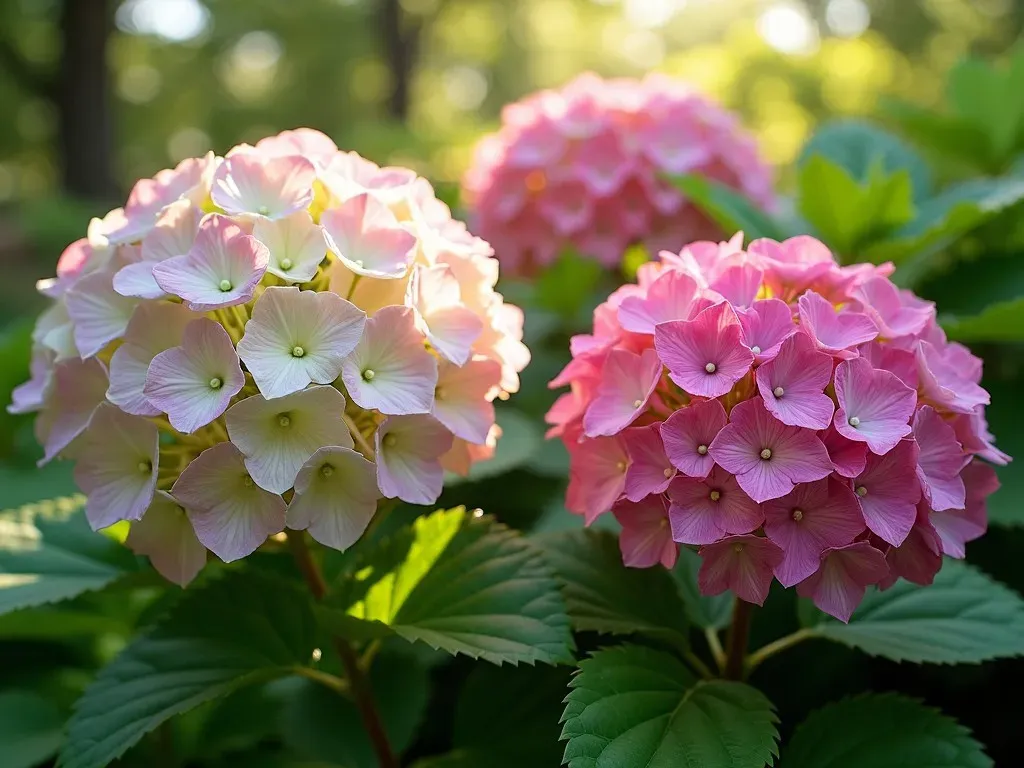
790	417
280	337
585	168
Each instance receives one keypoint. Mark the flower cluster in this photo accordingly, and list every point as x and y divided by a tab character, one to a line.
790	417
583	168
275	338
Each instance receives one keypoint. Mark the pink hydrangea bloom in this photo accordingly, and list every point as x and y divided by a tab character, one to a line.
329	336
795	419
583	167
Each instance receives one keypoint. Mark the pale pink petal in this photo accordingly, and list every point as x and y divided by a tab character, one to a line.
335	497
174	233
939	461
919	557
296	246
366	236
900	362
79	386
408	452
836	333
597	475
98	312
888	491
956	527
137	281
194	383
670	297
689	432
231	515
311	144
702	511
278	436
295	338
645	539
389	370
463	398
884	305
627	383
766	325
32	394
739	284
117	469
649	470
792	384
839	585
847	456
705	356
874	406
742	564
165	536
945	383
271	187
449	325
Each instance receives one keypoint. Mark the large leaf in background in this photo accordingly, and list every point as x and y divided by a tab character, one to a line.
603	595
48	552
458	583
568	286
991	97
521	437
507	718
882	731
244	628
848	213
729	209
952	137
963	617
707	612
319	724
1006	506
31	729
1001	321
633	706
25	483
859	147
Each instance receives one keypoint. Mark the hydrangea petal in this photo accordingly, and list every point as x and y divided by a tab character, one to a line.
792	384
834	332
165	536
689	432
79	387
705	356
646	538
335	497
839	585
766	324
98	312
627	384
888	492
743	564
597	475
874	406
649	469
449	325
273	187
408	452
463	398
670	297
296	246
703	511
367	238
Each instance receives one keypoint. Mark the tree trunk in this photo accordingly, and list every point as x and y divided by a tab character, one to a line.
83	100
400	42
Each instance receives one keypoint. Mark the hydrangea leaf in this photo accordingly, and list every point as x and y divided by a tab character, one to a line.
707	612
883	731
632	705
1001	321
458	583
244	628
48	553
729	209
963	617
31	729
603	595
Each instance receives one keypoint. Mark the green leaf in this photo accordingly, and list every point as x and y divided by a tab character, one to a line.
244	628
603	595
528	702
319	724
963	617
729	209
635	706
568	284
859	147
953	138
882	731
49	553
713	612
31	729
1002	321
457	583
1006	507
520	439
848	214
990	97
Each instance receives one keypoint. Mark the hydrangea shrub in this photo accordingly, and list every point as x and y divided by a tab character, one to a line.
585	167
794	419
276	338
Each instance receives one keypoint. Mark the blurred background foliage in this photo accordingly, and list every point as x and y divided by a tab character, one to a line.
97	93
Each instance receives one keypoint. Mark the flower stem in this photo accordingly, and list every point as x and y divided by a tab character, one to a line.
739	636
699	666
777	646
357	680
361	445
716	646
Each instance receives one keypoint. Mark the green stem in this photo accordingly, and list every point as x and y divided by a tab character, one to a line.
716	646
336	684
777	646
701	668
739	637
357	680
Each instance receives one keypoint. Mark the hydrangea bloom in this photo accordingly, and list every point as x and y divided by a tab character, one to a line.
584	167
794	419
279	338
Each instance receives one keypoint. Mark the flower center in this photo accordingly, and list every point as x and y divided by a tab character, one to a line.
710	367
854	421
247	481
755	349
326	470
715	495
702	449
298	351
621	466
286	264
766	453
390	440
667	472
284	420
862	491
145	466
778	391
798	515
224	285
216	383
368	374
737	547
263	210
637	403
439	393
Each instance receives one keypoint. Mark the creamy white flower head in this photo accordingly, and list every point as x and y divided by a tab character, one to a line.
278	436
449	325
194	383
295	338
335	497
173	235
463	398
390	370
296	246
165	536
366	236
231	515
118	468
409	451
248	183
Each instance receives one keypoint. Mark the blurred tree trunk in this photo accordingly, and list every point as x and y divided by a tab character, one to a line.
82	95
400	37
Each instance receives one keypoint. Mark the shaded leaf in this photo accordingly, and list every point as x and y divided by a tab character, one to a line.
520	439
31	729
714	612
729	209
1002	321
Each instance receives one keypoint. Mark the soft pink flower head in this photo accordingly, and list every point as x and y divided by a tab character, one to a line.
288	322
800	421
583	167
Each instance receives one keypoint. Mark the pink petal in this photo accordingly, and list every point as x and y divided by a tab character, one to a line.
888	492
165	536
645	539
366	236
884	306
702	511
137	281
739	284
705	356
743	564
32	395
408	450
919	557
597	475
874	406
847	457
765	326
296	246
99	313
689	432
834	332
80	386
940	459
670	297
792	384
463	398
839	585
174	233
627	384
649	468
271	187
955	527
335	497
449	325
943	382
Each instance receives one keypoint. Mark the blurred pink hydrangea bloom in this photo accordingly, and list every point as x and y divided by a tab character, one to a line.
277	338
791	418
584	167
